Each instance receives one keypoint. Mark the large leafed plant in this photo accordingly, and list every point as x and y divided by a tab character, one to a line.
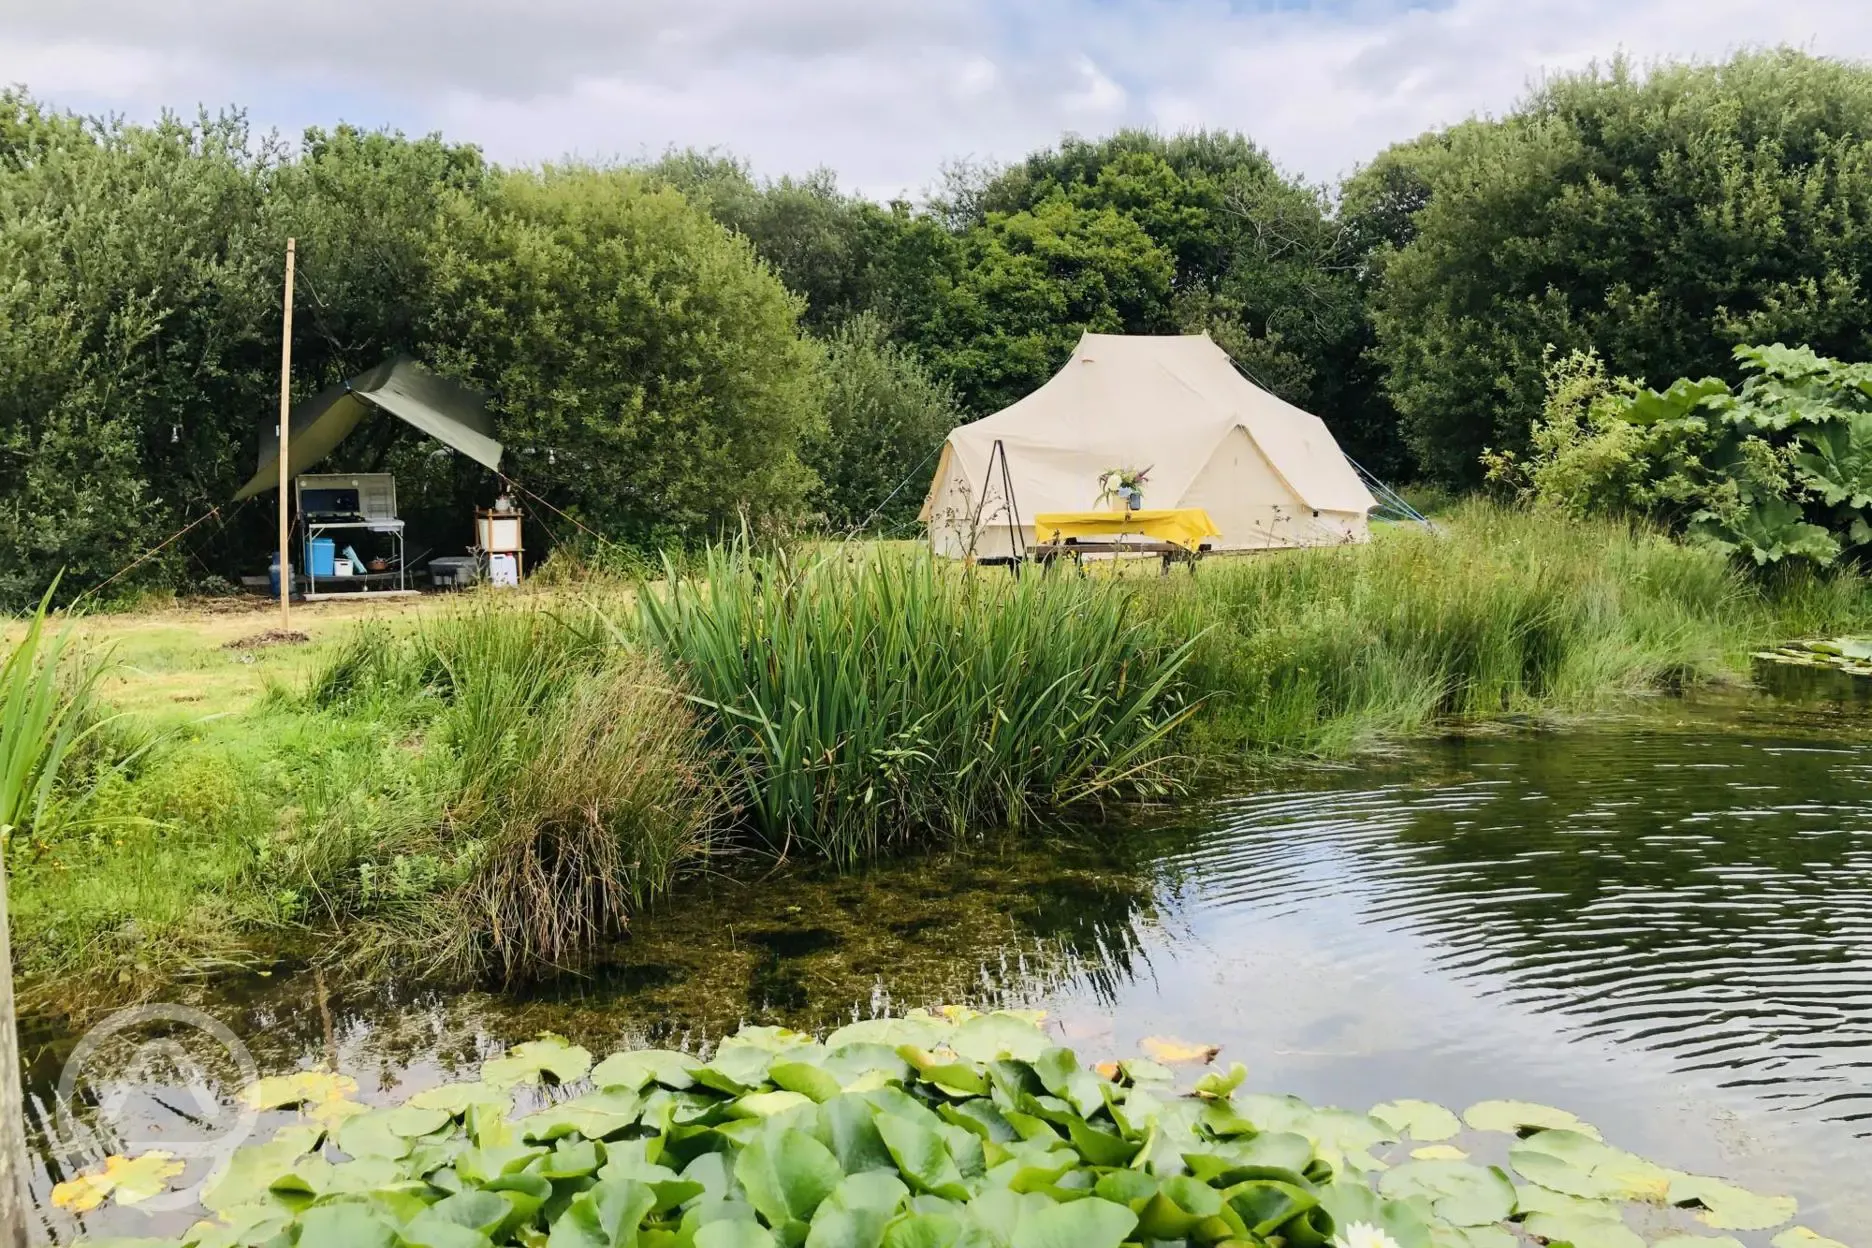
1779	467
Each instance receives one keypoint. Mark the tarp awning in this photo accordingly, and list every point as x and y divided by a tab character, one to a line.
447	411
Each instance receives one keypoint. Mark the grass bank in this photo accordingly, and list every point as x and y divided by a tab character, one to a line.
498	787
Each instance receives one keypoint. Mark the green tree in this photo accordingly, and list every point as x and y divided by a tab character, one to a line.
647	369
1030	283
886	415
1262	263
1662	218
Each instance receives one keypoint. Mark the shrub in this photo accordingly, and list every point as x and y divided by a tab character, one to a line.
1781	467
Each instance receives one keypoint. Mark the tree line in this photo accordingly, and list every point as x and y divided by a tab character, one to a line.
675	347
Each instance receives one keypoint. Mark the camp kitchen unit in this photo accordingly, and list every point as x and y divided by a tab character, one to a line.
351	534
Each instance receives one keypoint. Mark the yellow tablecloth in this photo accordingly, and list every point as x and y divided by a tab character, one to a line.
1185	526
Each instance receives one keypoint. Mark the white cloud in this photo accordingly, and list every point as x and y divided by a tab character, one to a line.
883	91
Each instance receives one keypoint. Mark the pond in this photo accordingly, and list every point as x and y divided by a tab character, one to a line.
1661	922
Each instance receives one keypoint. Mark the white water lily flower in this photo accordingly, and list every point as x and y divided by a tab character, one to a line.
1363	1235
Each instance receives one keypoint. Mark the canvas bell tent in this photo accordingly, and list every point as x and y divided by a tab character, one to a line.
1268	474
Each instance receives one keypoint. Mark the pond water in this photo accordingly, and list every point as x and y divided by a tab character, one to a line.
1663	923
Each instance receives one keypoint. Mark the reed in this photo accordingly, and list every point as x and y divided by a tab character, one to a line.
1505	612
567	784
865	700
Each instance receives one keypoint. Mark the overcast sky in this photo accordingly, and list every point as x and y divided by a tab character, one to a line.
883	91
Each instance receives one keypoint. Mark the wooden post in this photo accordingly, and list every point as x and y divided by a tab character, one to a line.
13	1158
285	439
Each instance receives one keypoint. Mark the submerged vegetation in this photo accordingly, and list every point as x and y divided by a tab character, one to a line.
499	788
951	1130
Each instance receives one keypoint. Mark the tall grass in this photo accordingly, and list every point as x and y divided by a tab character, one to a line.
864	700
567	785
1505	612
48	692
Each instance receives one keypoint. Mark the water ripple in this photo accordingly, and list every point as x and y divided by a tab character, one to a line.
1709	901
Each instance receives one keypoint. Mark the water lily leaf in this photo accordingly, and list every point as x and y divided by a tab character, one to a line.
371	1135
1728	1207
1420	1120
345	1226
921	1156
814	1082
1266	1205
130	1180
252	1170
1518	1117
767	1104
1607	1171
1100	1148
1557	1175
1471	1237
1286	1150
596	1116
1460	1193
1793	1237
638	1067
455	1098
525	1063
787	1174
1534	1198
1219	1086
835	1226
1709	1241
1173	1051
1558	1228
574	1159
1087	1223
923	1230
321	1096
1351	1203
917	1028
423	1231
874	1189
1439	1152
605	1216
478	1211
988	1037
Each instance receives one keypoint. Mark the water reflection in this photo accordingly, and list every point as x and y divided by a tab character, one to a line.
1705	897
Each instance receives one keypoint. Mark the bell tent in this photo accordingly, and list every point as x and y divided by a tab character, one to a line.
1269	475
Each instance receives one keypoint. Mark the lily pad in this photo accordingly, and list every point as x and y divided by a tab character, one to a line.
1559	1228
1728	1207
634	1069
1797	1237
1519	1117
1173	1051
989	1037
1439	1152
1461	1194
130	1180
457	1097
1712	1241
525	1063
1598	1170
1418	1120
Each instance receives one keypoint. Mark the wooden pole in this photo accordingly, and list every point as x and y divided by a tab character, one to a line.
13	1163
285	439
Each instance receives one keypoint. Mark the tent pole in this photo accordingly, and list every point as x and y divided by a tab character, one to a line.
285	437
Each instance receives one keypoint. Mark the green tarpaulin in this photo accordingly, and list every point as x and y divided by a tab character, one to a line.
445	410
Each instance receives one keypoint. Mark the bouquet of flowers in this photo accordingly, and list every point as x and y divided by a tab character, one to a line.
1123	486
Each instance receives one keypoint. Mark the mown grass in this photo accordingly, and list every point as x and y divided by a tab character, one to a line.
498	788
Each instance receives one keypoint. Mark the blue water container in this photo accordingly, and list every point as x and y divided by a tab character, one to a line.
273	575
321	556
